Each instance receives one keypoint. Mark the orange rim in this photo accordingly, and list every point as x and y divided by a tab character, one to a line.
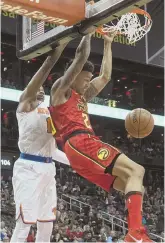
100	30
136	10
141	12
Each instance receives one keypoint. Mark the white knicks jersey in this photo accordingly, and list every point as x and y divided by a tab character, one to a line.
35	132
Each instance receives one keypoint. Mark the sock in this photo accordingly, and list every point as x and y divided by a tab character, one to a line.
133	204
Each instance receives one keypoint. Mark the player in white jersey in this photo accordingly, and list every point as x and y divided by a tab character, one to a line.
33	175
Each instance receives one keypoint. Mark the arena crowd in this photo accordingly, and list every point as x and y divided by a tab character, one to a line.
83	208
82	219
150	148
158	109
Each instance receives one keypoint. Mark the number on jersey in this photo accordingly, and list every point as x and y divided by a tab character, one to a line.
86	120
50	126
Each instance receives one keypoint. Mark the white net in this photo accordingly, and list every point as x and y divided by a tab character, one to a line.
130	25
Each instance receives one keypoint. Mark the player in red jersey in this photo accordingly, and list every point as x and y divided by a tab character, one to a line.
96	161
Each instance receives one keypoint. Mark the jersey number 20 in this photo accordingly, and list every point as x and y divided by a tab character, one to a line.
86	120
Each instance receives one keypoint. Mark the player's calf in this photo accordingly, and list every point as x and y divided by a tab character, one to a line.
130	181
132	175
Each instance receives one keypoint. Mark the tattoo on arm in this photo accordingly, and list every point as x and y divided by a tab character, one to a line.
84	47
82	54
98	83
91	92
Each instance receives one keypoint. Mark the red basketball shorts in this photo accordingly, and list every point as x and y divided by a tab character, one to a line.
90	157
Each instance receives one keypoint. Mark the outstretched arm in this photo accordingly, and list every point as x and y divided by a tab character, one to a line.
98	83
42	74
81	57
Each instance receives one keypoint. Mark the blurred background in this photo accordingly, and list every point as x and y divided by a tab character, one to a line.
85	212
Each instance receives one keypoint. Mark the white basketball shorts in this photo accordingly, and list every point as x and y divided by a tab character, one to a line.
34	191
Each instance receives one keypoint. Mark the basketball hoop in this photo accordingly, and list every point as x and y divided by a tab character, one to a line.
130	26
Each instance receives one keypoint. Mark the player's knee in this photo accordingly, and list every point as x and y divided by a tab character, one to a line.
138	171
125	168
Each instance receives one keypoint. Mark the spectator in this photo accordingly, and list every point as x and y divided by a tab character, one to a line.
88	222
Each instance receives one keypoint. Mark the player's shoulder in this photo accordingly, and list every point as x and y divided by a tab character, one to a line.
58	96
24	107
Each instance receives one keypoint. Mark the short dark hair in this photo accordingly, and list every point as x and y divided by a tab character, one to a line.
88	66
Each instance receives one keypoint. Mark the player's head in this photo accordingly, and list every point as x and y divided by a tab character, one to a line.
41	94
82	81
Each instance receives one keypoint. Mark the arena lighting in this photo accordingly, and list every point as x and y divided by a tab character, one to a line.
158	86
97	110
134	81
123	78
49	77
128	93
34	60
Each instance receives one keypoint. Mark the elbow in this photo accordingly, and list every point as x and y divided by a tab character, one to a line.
106	74
82	55
106	78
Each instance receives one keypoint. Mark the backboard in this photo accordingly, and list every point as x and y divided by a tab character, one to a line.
35	39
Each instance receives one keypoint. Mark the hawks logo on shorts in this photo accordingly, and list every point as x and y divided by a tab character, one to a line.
103	153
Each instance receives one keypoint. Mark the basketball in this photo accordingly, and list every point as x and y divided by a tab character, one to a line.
139	123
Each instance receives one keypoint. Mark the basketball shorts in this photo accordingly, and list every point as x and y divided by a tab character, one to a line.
91	158
34	191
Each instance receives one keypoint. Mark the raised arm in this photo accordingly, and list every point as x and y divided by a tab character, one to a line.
62	85
39	78
98	83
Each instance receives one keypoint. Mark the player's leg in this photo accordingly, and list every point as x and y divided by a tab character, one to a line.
21	231
132	174
119	185
44	231
26	185
47	206
96	160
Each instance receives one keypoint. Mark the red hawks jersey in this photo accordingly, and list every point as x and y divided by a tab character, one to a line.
71	116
